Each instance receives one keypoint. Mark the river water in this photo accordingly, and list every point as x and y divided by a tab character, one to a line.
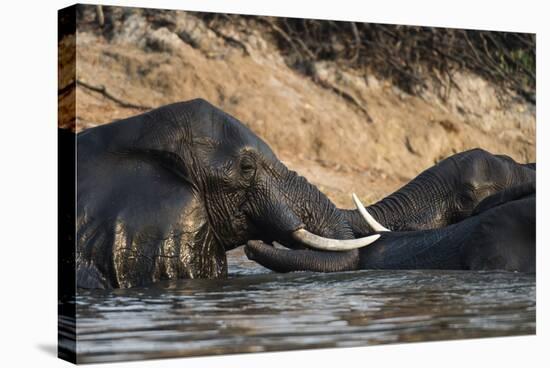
255	310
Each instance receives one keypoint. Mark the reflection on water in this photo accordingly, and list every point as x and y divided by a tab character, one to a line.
255	310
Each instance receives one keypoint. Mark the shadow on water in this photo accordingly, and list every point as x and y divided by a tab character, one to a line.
255	310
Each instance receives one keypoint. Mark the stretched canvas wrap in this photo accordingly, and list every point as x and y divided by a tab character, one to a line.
235	184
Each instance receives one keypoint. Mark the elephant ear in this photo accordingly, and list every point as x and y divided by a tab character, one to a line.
139	218
506	195
170	161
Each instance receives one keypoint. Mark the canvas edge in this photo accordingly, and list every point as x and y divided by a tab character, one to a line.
66	203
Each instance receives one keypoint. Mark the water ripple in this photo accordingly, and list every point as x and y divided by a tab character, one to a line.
256	310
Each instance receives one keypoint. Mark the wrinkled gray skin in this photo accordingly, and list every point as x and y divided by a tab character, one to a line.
165	194
472	211
446	193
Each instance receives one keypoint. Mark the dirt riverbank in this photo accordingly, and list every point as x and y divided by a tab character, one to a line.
345	133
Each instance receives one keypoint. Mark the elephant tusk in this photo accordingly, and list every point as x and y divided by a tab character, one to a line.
318	242
376	226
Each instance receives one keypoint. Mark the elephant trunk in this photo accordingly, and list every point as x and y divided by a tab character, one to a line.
405	209
282	260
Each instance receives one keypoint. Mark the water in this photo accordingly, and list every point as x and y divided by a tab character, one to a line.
256	310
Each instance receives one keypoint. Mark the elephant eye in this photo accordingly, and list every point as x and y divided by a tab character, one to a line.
247	167
466	197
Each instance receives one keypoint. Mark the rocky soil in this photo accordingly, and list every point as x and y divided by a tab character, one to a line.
345	133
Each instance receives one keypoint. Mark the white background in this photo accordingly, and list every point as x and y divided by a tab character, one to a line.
28	182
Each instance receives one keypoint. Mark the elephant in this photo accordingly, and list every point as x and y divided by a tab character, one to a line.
499	234
445	193
164	194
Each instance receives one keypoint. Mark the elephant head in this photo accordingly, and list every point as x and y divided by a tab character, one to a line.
166	193
445	193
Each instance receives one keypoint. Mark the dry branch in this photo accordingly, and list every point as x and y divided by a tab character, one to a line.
103	91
